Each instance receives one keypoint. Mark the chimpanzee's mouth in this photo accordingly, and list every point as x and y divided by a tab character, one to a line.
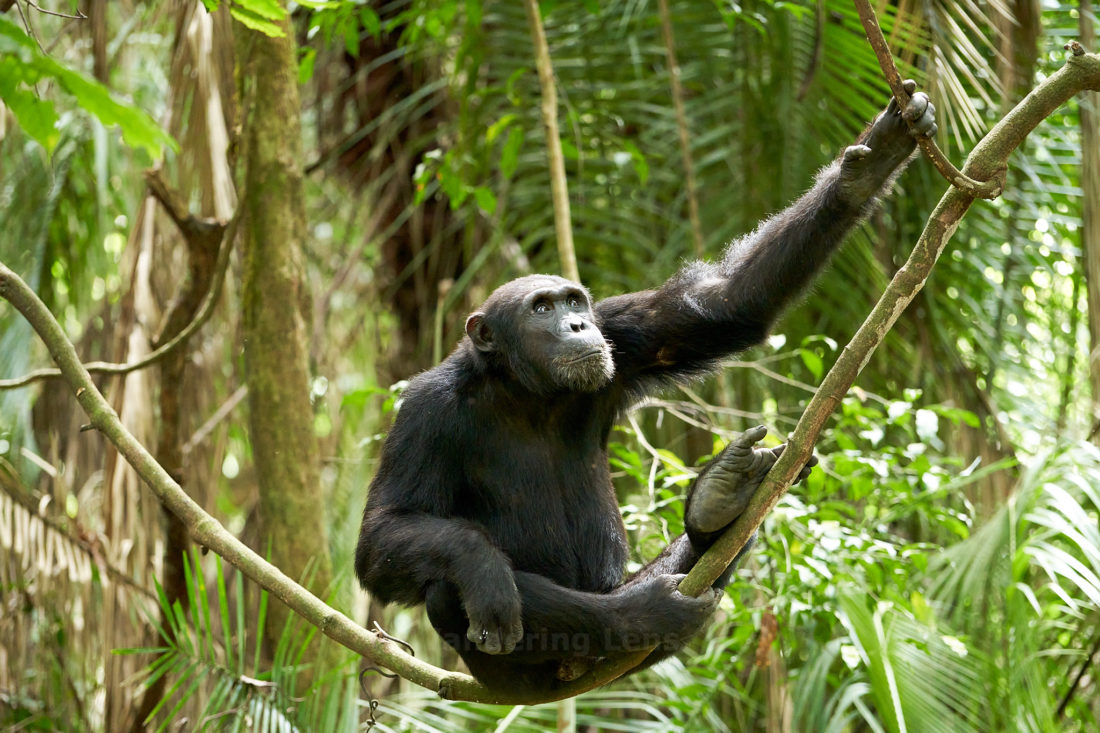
584	357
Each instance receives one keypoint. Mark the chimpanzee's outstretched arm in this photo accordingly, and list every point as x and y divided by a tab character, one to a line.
710	310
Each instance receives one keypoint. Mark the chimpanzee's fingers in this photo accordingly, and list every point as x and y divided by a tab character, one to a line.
751	437
910	86
918	105
852	153
778	451
921	115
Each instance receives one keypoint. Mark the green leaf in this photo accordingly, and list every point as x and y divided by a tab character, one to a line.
305	65
37	117
24	63
670	459
351	39
371	24
510	86
509	155
486	199
270	9
453	186
257	23
569	150
473	13
813	362
498	127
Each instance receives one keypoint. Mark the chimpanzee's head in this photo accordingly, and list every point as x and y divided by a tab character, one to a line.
540	328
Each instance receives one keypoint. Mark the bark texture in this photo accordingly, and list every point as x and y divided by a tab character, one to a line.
1090	230
275	303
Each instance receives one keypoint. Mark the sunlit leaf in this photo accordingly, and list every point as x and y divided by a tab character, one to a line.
24	63
257	22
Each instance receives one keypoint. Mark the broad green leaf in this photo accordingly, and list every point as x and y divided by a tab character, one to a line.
486	199
813	362
270	9
25	63
257	23
509	155
371	23
37	117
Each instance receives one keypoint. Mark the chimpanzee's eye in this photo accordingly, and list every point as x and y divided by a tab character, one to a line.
541	306
574	301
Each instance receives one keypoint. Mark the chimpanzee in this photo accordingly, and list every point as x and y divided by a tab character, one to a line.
493	502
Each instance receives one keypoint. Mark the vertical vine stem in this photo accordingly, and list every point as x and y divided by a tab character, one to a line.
990	189
563	225
682	126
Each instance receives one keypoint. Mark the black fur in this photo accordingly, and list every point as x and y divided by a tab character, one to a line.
493	502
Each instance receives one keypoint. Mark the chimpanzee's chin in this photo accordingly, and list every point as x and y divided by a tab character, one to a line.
587	372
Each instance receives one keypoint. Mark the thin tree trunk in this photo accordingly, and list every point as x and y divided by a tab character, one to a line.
275	302
682	126
563	225
420	245
97	16
1090	205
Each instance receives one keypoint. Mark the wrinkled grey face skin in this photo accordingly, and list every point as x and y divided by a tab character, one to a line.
544	326
588	372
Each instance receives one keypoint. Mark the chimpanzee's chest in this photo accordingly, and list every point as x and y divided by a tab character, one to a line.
548	503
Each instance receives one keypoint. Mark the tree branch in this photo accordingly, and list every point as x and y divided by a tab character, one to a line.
987	189
79	14
1081	71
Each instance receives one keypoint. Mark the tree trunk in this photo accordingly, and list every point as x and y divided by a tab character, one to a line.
1090	205
274	316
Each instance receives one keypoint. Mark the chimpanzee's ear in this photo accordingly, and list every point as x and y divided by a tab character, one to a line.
478	331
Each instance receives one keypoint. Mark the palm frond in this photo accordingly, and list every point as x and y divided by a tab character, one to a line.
1025	585
917	680
209	668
